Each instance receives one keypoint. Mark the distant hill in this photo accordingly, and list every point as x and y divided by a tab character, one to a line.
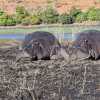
60	5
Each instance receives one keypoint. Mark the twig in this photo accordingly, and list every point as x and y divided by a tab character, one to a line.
84	80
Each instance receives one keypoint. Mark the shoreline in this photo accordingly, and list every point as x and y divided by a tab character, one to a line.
52	25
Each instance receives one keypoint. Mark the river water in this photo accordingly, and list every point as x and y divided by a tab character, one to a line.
66	36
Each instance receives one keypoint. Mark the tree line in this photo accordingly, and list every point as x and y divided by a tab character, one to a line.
48	16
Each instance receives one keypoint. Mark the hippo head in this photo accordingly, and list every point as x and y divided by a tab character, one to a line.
72	53
36	50
33	50
78	54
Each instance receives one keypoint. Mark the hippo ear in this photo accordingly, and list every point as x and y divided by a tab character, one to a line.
40	45
86	41
54	50
36	43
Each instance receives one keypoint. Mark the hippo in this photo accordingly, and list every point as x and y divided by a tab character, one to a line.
74	53
86	45
41	45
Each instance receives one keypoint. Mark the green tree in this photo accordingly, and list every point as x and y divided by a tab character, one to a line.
93	14
26	21
31	20
10	21
81	17
1	12
6	20
21	13
74	12
3	20
49	16
65	19
35	19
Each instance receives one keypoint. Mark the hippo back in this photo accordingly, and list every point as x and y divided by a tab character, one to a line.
38	35
45	42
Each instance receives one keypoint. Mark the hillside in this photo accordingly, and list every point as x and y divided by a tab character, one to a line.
60	5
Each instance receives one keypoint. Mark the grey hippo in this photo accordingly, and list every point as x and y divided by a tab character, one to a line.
41	45
85	46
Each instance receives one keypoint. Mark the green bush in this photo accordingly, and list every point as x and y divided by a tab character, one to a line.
35	19
81	17
26	21
6	20
31	20
65	19
3	20
10	21
49	16
1	12
18	19
74	12
20	10
21	13
93	14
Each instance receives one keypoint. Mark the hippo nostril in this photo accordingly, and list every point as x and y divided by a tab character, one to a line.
34	58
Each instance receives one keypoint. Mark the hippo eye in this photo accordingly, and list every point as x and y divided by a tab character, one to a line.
85	41
36	43
40	45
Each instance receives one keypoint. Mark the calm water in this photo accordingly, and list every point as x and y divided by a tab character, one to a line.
12	36
67	36
67	30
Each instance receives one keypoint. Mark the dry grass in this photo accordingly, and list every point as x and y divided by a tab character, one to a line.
61	5
47	80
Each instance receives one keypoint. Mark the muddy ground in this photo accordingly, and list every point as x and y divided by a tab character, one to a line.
47	80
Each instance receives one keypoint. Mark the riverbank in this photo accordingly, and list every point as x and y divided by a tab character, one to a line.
53	28
9	43
85	23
